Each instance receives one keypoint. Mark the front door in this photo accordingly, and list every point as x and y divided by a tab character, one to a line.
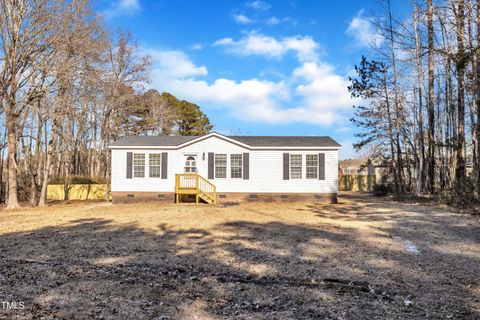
190	164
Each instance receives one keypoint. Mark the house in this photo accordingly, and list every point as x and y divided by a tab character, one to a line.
217	168
357	166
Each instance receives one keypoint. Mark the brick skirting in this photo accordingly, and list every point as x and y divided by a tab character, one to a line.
136	197
224	197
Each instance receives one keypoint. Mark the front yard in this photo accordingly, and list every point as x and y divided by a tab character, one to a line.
365	258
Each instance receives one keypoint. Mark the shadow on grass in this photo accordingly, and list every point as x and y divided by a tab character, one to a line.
241	269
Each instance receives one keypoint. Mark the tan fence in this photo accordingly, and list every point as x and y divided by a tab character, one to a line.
77	192
351	182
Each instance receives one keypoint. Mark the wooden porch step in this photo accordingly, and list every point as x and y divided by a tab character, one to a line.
194	184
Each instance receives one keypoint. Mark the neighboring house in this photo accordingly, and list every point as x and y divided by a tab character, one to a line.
356	167
217	168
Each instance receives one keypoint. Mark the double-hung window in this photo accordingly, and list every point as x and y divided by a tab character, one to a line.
155	165
220	166
312	166
139	165
295	166
236	165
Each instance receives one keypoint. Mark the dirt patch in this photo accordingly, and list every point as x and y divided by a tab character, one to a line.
251	261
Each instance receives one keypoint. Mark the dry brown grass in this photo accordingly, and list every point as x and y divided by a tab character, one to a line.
256	260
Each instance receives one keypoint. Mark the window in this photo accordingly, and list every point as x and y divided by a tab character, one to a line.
190	165
312	166
139	165
220	166
236	165
155	165
295	166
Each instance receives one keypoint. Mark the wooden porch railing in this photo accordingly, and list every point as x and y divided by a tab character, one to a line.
192	183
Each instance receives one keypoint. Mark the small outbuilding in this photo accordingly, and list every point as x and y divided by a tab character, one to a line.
216	168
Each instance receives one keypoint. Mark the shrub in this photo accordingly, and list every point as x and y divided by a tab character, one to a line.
382	189
462	195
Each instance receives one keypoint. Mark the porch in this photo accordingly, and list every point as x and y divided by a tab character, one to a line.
196	185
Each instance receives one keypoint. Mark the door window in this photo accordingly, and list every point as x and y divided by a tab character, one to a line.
190	165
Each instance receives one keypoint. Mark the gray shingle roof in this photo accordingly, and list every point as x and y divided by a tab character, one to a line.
152	141
254	141
287	141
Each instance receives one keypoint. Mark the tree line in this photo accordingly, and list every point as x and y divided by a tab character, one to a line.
420	93
68	88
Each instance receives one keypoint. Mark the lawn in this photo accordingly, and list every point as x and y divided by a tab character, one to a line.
364	258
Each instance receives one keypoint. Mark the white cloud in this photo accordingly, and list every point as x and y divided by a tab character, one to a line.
259	5
175	64
197	46
258	44
272	21
311	93
242	19
343	129
122	8
363	32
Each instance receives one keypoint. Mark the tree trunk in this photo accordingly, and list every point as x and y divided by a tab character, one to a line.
46	172
12	201
460	65
431	106
421	146
477	97
396	103
37	160
390	131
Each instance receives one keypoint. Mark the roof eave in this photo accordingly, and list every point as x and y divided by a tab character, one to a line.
248	147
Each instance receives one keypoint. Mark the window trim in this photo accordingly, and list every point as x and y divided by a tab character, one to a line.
136	165
299	166
239	166
215	165
307	166
155	165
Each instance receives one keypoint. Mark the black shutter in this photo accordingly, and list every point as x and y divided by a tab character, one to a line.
321	166
286	166
246	166
164	165
129	165
210	165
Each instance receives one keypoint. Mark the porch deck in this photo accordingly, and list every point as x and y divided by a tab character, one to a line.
195	184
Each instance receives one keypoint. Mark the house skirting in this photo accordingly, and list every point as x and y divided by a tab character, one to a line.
224	197
141	197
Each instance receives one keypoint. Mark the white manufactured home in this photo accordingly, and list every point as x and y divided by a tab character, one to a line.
216	168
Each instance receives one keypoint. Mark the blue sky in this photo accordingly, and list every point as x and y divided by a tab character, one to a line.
254	67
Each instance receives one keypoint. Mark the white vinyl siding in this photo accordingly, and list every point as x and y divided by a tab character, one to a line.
295	166
265	168
311	162
236	165
154	165
220	166
139	165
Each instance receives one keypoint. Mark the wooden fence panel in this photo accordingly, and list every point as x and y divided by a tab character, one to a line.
352	182
77	192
